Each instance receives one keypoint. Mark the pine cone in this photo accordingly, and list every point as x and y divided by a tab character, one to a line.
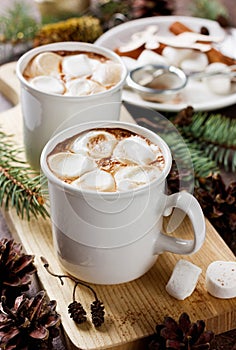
16	269
218	203
30	324
97	311
85	29
77	312
184	117
182	335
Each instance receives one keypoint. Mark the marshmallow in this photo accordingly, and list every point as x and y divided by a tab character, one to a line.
76	65
221	279
197	61
150	57
134	150
69	165
48	84
183	280
97	180
131	177
97	144
219	84
83	87
175	56
107	73
46	63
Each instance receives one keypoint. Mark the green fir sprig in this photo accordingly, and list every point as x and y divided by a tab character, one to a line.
17	23
192	161
20	186
208	9
215	136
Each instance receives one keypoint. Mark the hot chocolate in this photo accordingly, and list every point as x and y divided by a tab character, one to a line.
72	73
107	160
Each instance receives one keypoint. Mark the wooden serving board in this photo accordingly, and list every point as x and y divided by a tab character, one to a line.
132	309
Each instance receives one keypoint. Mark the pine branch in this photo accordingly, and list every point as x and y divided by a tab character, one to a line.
17	24
208	9
190	160
216	136
20	186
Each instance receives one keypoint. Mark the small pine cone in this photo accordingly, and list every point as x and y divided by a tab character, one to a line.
16	270
184	117
30	324
181	335
77	312
97	311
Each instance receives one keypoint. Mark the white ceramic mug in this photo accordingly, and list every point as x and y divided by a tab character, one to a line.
44	114
115	237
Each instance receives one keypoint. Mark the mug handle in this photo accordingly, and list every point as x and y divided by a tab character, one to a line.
189	205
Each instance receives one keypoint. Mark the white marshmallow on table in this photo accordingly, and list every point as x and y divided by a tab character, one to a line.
48	84
97	180
134	150
83	87
107	73
219	84
221	279
70	165
45	63
183	280
76	65
97	144
131	177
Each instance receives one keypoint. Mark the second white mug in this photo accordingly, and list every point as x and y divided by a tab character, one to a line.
45	114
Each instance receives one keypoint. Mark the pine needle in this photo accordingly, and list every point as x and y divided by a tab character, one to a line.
208	9
215	135
17	23
20	186
190	159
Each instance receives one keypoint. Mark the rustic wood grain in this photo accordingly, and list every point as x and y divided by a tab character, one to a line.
132	309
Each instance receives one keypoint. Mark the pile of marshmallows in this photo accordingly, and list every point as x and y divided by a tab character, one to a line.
72	75
186	50
130	162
